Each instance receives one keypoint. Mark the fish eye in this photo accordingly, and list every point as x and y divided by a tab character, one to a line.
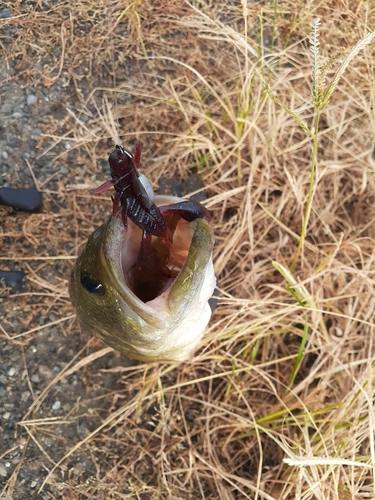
92	285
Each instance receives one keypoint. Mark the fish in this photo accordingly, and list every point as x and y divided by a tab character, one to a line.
147	298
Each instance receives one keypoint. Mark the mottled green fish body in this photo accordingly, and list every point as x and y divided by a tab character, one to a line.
170	325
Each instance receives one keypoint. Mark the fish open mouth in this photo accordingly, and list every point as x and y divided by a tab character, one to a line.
150	272
151	303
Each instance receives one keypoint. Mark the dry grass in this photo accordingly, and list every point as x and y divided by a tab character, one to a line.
286	368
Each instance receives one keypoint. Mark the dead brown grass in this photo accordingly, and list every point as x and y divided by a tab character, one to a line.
286	368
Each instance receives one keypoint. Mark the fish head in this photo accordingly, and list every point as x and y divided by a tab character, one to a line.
149	316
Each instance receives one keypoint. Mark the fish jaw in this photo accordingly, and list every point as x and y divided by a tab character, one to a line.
166	328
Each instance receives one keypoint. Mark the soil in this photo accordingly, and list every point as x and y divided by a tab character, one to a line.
206	85
32	385
40	339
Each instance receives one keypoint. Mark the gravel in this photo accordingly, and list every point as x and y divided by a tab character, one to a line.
5	13
24	475
31	99
3	470
56	405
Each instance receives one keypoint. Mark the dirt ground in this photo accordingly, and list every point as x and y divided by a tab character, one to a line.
29	363
286	366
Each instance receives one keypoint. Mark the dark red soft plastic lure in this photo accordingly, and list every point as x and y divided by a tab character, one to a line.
134	199
139	206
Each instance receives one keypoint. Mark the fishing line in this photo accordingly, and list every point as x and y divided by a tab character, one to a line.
116	123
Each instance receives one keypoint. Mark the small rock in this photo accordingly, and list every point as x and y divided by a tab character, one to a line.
33	484
82	430
48	442
12	372
193	183
4	154
24	475
43	162
53	332
2	391
35	378
36	132
17	114
6	415
56	369
14	143
169	186
3	471
25	395
6	108
56	405
5	13
3	379
52	316
64	170
31	99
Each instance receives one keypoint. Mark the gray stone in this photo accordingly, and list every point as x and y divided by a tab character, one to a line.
31	99
6	108
36	132
52	316
56	405
25	395
53	332
24	475
3	471
5	13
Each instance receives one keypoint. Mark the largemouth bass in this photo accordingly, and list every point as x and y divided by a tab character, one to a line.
150	306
